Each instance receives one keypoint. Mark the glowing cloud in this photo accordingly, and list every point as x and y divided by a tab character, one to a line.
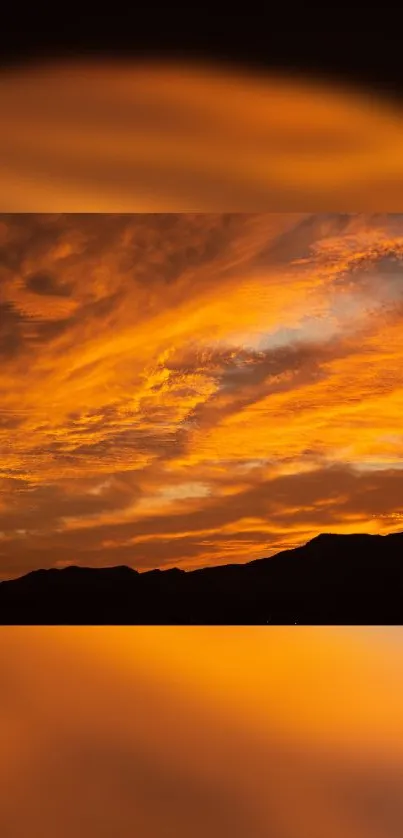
175	389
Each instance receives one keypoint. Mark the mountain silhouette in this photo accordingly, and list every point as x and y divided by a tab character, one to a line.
333	579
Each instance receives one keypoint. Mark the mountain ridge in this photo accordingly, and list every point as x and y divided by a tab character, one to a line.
334	578
316	538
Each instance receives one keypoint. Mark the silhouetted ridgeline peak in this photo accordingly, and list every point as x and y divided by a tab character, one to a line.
333	579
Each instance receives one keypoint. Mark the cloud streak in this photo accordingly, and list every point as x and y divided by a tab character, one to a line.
187	389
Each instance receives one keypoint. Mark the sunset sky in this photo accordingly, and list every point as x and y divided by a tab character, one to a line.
188	390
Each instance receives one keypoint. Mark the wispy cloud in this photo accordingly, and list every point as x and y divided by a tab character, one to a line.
176	389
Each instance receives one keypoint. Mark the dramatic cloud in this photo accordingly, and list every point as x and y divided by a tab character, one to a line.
190	389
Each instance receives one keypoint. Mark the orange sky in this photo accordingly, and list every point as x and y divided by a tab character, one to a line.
192	389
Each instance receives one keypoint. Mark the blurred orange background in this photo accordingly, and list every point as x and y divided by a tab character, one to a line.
225	731
92	136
